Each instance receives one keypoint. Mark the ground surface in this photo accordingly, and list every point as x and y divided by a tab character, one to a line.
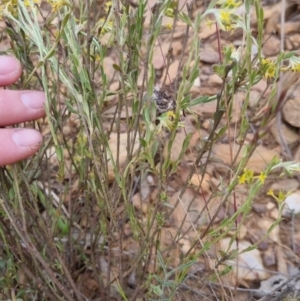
278	255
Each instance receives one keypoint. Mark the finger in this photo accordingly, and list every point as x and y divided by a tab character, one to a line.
18	144
10	70
20	106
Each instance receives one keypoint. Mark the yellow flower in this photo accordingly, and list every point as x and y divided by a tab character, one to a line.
169	26
269	67
270	73
168	121
105	25
296	67
229	3
262	177
108	4
281	196
246	177
209	22
12	6
225	17
242	179
294	64
28	2
57	4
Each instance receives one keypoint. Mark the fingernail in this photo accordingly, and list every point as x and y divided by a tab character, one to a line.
33	100
26	137
9	65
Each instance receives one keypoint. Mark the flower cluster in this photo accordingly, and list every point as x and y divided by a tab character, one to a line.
167	121
269	68
105	25
294	64
280	198
11	6
58	4
248	177
227	15
229	4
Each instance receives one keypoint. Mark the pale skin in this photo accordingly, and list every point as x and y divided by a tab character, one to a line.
16	107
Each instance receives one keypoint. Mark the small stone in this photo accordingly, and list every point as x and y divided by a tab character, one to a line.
288	185
270	206
206	31
257	162
291	112
196	180
284	132
272	46
254	98
197	82
209	55
269	258
207	124
289	27
293	41
274	214
297	155
215	80
259	208
292	204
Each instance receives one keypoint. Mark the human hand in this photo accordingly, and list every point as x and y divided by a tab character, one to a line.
16	107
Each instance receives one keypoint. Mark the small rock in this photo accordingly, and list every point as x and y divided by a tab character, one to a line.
206	31
197	82
293	42
257	162
263	245
196	180
215	80
291	112
254	98
271	206
209	55
272	46
288	133
259	208
274	214
207	124
261	87
292	204
288	185
138	203
248	265
289	27
297	155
